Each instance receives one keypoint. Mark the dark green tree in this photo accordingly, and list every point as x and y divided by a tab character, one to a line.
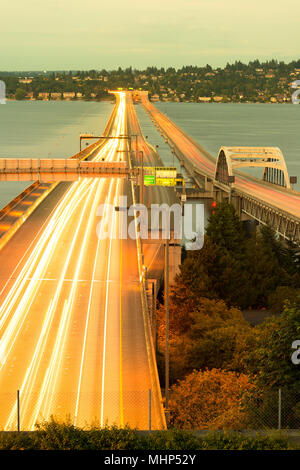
270	359
225	228
20	94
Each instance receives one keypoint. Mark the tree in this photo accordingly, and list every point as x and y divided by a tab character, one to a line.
225	228
212	335
210	399
270	359
282	294
20	94
202	335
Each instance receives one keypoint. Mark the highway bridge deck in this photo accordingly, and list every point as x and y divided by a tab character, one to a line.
73	333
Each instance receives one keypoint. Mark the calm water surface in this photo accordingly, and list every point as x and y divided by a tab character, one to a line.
38	129
214	125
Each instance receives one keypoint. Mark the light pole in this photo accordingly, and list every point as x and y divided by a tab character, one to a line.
142	178
167	365
173	153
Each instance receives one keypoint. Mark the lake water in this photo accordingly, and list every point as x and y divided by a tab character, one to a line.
40	129
215	124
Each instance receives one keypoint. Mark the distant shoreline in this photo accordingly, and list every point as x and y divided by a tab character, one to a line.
59	100
153	102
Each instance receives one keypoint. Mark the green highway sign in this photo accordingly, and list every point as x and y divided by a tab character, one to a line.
149	180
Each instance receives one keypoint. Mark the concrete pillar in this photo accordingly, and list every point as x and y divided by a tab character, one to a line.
209	187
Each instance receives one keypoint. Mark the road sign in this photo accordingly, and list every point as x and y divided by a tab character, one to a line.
149	180
166	172
160	176
165	182
183	197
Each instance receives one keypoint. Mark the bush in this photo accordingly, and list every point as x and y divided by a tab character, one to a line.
210	399
238	441
280	296
65	436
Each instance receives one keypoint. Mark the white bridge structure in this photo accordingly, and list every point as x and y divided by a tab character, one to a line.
270	158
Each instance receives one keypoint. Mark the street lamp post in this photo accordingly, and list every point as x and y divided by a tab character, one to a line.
167	365
142	178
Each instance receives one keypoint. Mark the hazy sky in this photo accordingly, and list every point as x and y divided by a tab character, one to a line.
85	34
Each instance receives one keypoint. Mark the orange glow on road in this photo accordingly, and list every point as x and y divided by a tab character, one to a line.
38	314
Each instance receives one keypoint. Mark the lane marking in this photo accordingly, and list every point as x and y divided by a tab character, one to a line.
87	322
121	352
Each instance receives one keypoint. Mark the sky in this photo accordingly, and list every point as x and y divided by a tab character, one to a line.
97	34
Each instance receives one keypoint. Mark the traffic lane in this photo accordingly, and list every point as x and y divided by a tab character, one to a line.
277	198
81	369
50	273
64	401
136	367
135	361
34	327
13	255
38	260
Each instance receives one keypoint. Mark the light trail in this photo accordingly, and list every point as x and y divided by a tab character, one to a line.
105	316
103	221
71	323
62	330
40	381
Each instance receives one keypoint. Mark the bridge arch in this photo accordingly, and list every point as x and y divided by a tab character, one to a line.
269	158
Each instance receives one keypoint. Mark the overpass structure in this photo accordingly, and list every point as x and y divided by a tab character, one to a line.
59	169
268	201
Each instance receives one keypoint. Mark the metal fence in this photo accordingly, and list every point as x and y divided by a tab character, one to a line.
273	409
254	410
21	411
268	410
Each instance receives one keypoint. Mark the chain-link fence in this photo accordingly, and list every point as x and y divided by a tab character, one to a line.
23	411
209	409
273	409
267	410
